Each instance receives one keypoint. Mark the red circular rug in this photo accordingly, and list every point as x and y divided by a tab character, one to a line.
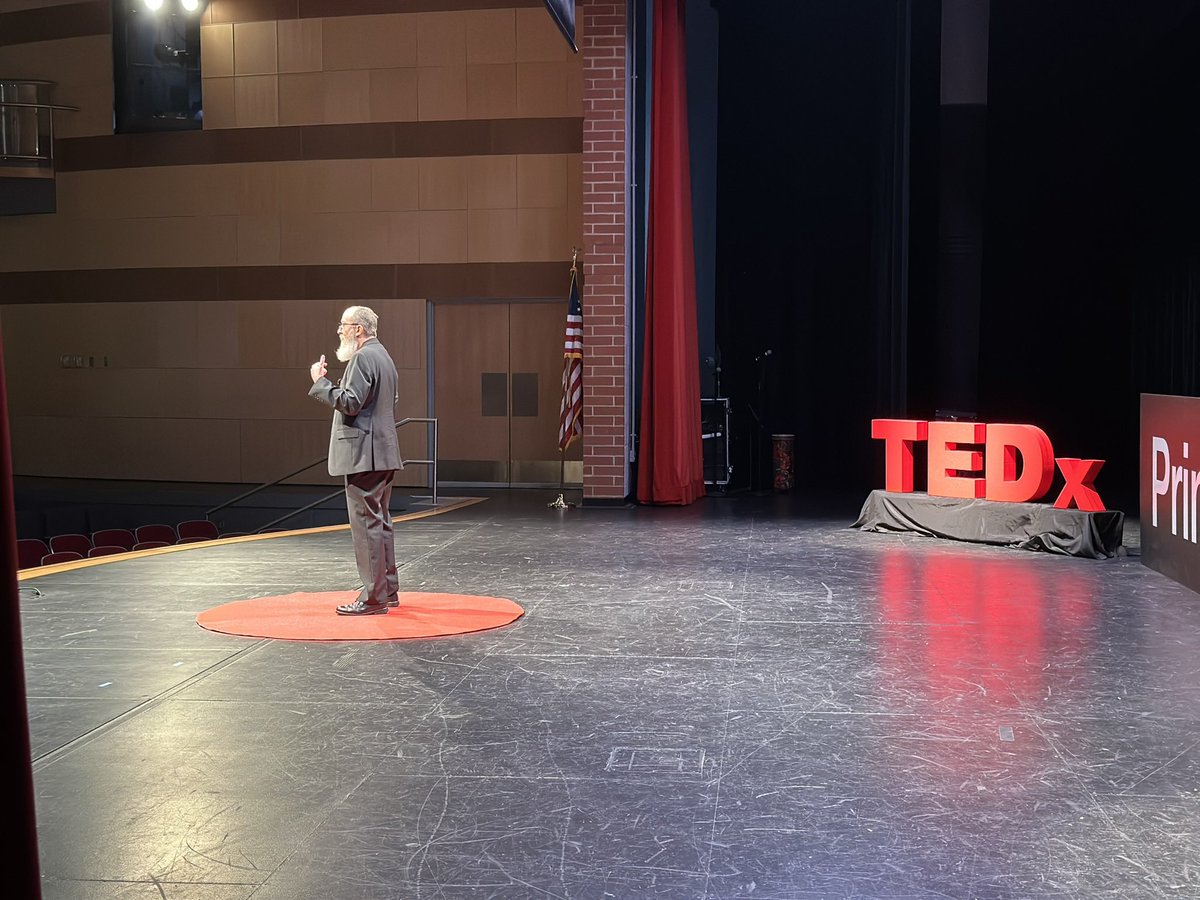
312	617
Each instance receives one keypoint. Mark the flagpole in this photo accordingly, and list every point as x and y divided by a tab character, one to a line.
560	501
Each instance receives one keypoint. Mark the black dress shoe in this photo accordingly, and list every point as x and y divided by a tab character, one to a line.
393	601
361	608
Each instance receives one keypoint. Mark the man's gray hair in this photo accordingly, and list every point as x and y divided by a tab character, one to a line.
364	316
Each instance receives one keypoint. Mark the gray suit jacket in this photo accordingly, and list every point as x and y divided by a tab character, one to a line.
363	438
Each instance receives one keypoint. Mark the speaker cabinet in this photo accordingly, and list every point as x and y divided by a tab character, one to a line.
714	430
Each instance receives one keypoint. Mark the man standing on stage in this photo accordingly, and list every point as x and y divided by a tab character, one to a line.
363	447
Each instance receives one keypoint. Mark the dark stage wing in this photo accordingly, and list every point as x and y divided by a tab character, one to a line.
563	12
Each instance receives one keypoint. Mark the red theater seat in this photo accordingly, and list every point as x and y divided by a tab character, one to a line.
196	530
114	537
160	533
150	545
60	556
74	543
30	552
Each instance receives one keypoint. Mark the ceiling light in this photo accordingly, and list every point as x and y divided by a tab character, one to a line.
153	5
190	5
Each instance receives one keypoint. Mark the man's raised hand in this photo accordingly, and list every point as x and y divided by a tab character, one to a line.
318	369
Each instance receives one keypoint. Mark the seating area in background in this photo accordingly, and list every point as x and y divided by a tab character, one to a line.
33	552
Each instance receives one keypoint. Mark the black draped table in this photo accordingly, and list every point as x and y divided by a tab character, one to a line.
1029	526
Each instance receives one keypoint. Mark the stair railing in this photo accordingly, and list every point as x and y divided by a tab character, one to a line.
432	463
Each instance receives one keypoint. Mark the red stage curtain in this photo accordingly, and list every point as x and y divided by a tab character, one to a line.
19	859
671	464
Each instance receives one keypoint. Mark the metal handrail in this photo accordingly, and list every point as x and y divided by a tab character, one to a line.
432	463
250	493
7	156
297	512
38	105
21	104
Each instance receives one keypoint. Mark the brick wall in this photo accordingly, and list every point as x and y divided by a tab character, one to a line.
604	195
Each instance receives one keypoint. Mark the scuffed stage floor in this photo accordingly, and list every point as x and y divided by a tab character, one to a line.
725	701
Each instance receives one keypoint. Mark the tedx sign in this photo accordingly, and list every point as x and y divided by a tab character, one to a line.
974	460
1169	486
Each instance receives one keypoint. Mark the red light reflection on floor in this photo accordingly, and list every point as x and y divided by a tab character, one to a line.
981	638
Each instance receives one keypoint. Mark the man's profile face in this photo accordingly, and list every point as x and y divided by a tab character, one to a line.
348	333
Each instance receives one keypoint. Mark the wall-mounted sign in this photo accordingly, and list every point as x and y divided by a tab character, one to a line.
1169	482
973	460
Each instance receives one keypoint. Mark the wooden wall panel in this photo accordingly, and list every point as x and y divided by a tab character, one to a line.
310	212
198	394
402	330
311	330
301	45
255	48
442	38
492	91
369	42
491	36
491	182
469	339
538	39
270	448
216	50
443	236
235	373
542	181
57	243
394	95
217	339
162	450
492	235
321	186
129	335
418	66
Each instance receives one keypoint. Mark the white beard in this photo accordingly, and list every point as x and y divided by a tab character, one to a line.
346	349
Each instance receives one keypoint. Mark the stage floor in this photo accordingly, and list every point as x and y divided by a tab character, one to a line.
731	700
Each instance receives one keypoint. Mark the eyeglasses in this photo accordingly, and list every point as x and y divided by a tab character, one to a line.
342	325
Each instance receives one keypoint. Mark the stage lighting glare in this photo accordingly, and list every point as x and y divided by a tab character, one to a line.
153	5
190	5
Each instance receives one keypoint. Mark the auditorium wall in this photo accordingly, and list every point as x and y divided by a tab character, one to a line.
160	324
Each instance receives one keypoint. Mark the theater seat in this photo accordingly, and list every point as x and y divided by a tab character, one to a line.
113	537
161	533
60	556
30	552
74	543
150	545
196	530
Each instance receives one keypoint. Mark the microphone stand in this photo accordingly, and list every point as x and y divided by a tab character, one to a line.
759	432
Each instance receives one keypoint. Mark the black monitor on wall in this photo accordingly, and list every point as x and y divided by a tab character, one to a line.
563	13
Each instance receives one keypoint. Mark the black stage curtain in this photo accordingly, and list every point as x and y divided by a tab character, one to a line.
20	854
811	247
1092	221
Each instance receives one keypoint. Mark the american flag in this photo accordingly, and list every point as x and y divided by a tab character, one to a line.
570	413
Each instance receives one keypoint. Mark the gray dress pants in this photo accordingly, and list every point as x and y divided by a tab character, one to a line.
367	497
